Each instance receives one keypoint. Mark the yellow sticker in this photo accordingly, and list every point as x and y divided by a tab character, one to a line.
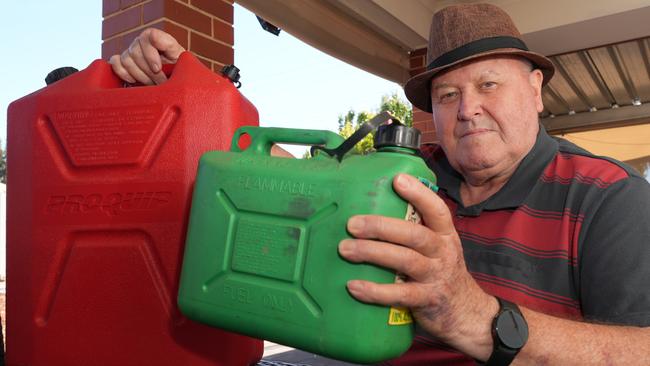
412	215
399	316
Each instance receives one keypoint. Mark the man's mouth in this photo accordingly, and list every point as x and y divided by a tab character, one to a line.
474	132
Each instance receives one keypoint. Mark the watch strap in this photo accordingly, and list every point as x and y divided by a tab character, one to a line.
502	355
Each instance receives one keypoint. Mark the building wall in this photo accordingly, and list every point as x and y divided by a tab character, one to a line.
203	27
422	120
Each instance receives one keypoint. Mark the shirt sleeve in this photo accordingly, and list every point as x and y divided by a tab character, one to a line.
614	269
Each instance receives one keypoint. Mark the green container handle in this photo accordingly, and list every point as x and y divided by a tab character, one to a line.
263	138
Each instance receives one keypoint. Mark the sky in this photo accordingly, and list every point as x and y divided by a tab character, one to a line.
291	83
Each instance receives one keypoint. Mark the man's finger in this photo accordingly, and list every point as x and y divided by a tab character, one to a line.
134	70
434	212
136	53
398	258
150	53
120	70
395	294
399	231
153	59
164	43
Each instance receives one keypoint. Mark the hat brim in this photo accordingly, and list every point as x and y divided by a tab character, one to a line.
418	88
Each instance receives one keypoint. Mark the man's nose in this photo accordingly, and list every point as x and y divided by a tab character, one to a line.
470	105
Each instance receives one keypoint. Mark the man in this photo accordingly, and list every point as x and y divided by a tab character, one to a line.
521	218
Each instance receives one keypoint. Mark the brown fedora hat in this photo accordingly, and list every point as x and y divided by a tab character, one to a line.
461	33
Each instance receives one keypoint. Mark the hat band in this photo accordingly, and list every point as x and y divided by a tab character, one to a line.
476	47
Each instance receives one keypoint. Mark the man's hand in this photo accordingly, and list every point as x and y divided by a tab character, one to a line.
442	295
142	61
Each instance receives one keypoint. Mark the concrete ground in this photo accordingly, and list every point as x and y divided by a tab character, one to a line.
279	355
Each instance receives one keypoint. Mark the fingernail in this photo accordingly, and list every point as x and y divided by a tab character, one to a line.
356	223
347	246
403	181
155	68
355	286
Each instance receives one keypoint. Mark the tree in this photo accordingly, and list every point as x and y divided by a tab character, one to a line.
348	124
398	108
351	121
3	164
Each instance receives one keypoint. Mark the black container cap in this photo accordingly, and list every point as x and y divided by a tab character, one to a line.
58	74
232	73
398	135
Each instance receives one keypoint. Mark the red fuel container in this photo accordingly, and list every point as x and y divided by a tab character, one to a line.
100	183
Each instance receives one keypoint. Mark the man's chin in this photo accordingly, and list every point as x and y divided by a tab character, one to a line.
477	164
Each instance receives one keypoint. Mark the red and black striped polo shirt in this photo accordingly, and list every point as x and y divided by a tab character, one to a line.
568	235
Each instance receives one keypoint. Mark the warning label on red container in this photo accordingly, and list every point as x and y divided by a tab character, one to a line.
106	136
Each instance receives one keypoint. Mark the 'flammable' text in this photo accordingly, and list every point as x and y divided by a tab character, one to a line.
277	185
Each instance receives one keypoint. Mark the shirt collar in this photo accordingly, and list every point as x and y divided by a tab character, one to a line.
514	192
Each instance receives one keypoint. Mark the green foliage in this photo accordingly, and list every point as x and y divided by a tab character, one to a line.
351	121
364	146
3	164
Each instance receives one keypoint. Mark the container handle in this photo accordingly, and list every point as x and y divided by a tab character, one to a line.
263	138
357	136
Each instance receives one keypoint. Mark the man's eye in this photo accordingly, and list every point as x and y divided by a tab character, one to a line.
448	96
488	85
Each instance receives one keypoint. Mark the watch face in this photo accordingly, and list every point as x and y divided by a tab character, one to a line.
512	330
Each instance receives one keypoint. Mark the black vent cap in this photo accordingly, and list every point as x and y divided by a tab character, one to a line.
397	135
58	74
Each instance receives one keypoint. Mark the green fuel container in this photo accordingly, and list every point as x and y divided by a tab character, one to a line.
261	255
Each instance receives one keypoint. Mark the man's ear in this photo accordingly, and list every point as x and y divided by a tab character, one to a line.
535	78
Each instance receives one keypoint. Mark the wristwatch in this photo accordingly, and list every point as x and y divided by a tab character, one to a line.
509	334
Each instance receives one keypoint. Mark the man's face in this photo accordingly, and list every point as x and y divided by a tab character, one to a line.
486	114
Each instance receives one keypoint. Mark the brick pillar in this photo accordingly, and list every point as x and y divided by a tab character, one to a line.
203	27
421	120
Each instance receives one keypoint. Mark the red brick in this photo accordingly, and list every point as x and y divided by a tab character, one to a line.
210	49
177	12
419	115
128	38
110	6
179	33
218	8
416	62
217	66
223	32
128	3
425	126
429	137
419	70
419	52
205	62
112	47
122	22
